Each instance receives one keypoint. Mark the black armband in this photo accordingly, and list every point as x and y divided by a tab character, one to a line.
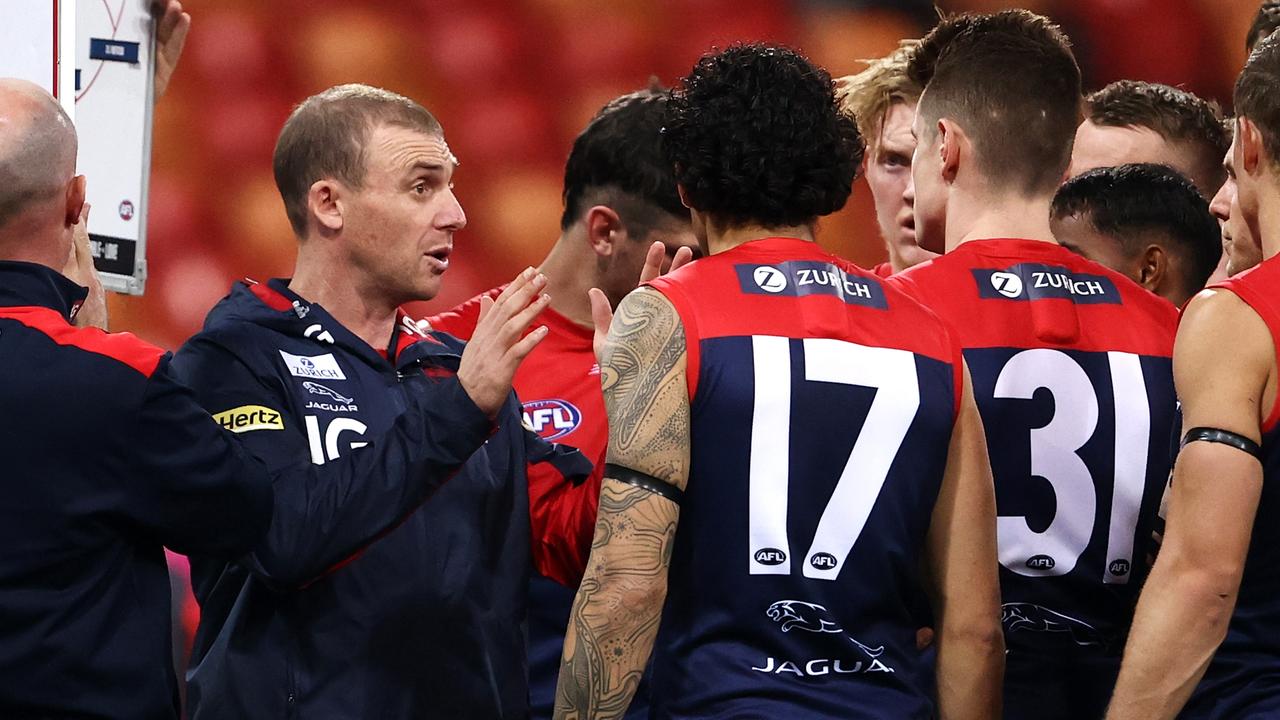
1226	437
644	481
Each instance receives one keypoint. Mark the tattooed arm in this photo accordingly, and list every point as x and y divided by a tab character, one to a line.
616	613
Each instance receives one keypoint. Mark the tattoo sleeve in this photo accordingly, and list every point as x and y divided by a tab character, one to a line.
619	604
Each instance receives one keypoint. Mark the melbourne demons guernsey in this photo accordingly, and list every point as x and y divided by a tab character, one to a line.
1072	374
1243	681
822	405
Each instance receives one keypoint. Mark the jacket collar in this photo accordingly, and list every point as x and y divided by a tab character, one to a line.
24	284
408	345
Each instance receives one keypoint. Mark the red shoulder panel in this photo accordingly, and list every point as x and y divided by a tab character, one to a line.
122	347
1256	286
1112	312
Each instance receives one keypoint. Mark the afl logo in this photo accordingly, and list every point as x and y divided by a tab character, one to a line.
770	556
1007	284
769	279
551	419
823	561
126	210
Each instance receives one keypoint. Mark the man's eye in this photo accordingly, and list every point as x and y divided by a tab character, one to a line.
896	160
420	188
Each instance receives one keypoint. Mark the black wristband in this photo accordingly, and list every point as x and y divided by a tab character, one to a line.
1226	437
644	481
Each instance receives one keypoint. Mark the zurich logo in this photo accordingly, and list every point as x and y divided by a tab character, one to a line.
1007	284
551	419
769	279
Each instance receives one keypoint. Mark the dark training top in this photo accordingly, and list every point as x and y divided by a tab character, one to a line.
106	460
360	603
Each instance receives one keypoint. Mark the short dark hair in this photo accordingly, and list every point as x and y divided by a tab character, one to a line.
1011	80
1265	22
1175	115
1256	97
756	136
325	137
1126	201
617	160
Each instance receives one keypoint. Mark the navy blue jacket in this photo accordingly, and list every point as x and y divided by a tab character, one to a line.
428	621
105	460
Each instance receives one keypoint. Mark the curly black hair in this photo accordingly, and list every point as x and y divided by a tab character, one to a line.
1265	22
756	136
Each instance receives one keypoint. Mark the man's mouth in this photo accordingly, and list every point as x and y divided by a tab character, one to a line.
440	257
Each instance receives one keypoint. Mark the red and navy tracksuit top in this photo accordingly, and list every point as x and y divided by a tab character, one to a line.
106	460
360	603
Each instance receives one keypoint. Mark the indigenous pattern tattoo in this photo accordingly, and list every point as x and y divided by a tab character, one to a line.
619	604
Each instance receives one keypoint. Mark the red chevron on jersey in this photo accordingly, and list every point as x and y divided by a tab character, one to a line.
788	287
1257	287
1027	293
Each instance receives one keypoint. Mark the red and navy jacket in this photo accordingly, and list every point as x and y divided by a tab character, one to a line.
107	459
1072	374
822	406
1242	680
367	599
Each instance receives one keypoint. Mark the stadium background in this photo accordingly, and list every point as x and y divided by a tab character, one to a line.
513	81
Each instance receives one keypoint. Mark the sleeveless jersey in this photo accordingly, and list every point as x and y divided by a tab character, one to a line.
1243	681
1072	374
822	406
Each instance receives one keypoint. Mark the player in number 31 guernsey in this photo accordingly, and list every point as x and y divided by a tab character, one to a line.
790	442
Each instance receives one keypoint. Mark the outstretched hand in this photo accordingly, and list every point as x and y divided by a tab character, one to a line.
499	343
602	311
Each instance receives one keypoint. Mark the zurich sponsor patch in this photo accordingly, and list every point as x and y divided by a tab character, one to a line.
551	419
799	278
316	367
1034	281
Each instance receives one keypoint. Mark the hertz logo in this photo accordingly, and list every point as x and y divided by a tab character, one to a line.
248	418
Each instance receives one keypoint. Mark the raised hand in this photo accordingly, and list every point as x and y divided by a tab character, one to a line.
499	342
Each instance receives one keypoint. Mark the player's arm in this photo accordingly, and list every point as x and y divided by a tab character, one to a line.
1186	605
618	606
963	559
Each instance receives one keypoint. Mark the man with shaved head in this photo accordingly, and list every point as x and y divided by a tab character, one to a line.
107	459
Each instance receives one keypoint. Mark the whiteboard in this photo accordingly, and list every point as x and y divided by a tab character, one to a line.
114	81
97	58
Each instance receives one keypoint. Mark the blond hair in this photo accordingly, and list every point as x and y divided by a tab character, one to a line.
868	95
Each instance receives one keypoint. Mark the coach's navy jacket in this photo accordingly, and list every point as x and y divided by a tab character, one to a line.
425	622
103	459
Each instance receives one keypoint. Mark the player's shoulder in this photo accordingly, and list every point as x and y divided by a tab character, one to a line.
460	320
123	349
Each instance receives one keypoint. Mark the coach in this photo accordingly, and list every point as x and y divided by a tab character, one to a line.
317	622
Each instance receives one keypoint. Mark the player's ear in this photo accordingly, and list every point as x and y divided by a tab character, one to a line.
604	229
325	204
1153	266
75	200
684	196
1249	140
950	139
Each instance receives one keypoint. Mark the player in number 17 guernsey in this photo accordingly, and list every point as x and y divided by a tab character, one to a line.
791	441
1070	361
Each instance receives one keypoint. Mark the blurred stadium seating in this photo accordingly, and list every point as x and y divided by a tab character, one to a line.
513	81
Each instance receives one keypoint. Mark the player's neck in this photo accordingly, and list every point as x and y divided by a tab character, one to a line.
720	239
568	279
26	241
1010	216
361	310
